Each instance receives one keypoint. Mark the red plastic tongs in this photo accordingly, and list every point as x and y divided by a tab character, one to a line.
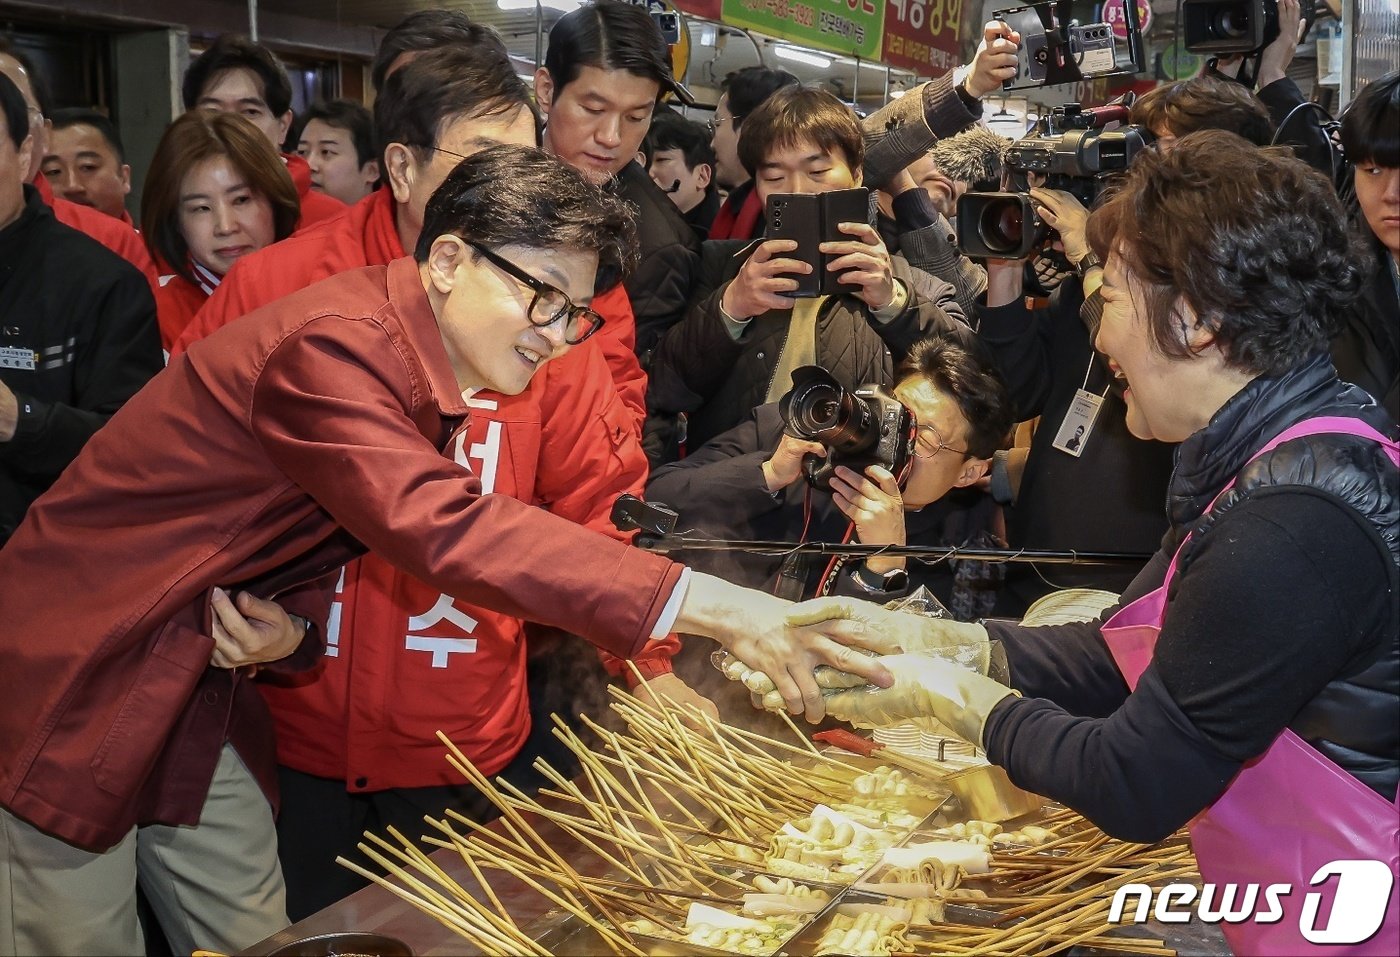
847	741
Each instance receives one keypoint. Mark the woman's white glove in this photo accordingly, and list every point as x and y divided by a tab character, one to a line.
895	632
923	687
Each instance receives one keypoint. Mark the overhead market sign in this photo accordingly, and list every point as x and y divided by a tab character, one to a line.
922	35
851	27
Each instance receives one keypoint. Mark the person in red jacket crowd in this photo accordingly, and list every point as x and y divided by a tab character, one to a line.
116	235
354	758
236	75
214	193
86	163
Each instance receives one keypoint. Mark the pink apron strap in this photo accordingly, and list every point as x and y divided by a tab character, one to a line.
1318	425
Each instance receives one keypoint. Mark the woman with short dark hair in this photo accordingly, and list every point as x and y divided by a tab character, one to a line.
1249	682
215	191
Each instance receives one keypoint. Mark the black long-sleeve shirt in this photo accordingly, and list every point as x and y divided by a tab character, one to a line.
1279	599
87	319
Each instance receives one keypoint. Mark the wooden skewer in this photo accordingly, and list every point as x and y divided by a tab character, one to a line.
620	938
464	764
462	913
649	889
698	831
485	942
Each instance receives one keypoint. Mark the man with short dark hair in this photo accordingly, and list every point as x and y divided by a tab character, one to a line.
116	236
286	445
424	30
683	165
741	214
236	75
606	69
79	335
337	142
85	162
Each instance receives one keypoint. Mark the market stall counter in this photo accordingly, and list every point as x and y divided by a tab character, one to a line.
684	835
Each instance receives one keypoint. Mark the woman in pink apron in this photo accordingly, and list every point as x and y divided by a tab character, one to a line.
1249	682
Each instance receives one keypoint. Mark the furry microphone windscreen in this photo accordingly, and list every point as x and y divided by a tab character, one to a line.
972	156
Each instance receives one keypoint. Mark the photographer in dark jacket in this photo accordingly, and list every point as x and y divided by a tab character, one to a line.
748	484
606	69
79	334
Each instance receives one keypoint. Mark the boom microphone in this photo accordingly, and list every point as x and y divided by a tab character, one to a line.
972	156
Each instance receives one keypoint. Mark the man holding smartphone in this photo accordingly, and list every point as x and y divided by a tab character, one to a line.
746	330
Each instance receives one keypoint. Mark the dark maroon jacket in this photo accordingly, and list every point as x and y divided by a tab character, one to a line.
263	459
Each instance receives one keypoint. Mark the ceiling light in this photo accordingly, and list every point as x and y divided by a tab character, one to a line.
800	56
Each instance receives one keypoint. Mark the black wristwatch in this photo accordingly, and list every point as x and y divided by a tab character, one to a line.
1086	262
869	582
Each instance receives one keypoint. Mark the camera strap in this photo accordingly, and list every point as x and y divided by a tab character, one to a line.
1083	412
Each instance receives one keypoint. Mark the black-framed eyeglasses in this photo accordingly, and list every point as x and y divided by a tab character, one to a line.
934	445
549	304
716	123
439	149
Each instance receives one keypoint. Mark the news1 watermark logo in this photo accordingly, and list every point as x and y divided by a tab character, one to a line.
1359	902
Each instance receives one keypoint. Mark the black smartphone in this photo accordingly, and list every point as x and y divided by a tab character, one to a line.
797	216
840	206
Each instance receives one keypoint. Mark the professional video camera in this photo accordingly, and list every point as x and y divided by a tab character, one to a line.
1233	26
1058	47
859	428
1069	150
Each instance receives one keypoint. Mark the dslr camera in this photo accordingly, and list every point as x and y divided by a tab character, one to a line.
1222	27
860	428
1069	150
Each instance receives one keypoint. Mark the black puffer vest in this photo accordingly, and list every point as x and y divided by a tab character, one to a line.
1355	720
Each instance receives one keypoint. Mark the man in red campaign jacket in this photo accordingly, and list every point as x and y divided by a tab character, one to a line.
422	660
318	427
112	233
236	75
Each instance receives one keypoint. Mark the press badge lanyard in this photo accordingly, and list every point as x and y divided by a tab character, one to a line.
1083	412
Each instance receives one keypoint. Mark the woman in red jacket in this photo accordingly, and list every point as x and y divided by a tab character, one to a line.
215	192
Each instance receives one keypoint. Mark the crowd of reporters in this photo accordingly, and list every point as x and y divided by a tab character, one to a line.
679	396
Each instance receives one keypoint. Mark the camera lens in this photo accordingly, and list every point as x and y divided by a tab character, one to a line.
1001	227
836	418
1232	23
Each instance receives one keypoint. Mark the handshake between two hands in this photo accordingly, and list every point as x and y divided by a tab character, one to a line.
938	668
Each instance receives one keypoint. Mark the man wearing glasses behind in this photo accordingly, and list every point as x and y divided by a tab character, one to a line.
747	483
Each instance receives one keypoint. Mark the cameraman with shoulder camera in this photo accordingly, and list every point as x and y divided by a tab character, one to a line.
1105	492
759	480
